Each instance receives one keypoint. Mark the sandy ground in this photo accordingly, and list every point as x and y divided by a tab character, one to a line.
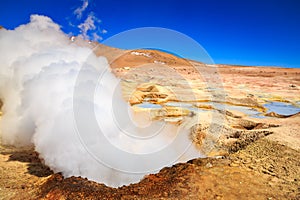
254	158
263	170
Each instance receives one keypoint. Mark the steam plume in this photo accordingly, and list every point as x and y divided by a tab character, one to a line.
61	98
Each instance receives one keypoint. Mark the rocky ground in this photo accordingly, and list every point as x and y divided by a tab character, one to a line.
263	170
251	157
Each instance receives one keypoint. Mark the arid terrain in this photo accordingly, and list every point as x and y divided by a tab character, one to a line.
244	119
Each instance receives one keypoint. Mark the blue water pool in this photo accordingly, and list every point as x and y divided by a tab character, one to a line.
282	108
148	105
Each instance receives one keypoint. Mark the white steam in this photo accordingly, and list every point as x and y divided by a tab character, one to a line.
78	11
88	25
63	99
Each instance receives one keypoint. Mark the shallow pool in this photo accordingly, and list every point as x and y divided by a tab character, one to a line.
282	108
188	106
148	105
277	107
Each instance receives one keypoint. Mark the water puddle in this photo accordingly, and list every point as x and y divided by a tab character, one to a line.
277	107
217	106
148	105
188	106
251	112
282	108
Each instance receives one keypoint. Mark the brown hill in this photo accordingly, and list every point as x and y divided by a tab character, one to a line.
119	58
135	58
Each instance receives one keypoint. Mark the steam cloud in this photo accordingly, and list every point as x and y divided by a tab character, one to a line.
61	98
90	27
78	11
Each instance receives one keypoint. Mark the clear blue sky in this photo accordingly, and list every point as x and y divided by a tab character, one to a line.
265	32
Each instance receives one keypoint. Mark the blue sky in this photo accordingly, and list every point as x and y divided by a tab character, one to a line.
265	32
